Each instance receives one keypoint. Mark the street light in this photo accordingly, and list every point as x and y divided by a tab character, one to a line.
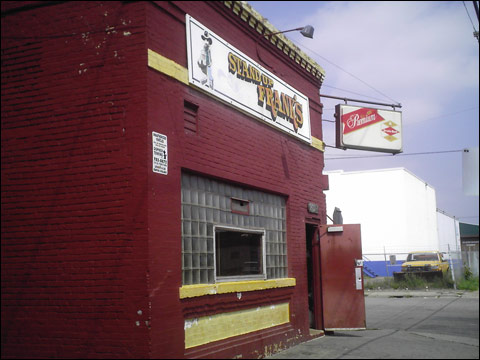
306	31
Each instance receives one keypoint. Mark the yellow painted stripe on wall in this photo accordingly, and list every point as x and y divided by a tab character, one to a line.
318	144
188	291
167	66
207	329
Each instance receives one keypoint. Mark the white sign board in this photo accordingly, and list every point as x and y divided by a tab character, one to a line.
160	153
221	70
470	171
368	129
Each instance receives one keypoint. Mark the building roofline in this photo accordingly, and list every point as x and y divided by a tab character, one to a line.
468	230
261	25
342	172
443	212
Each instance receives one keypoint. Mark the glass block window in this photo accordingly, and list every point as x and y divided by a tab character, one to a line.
214	212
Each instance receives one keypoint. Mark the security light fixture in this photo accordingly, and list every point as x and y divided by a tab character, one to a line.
306	31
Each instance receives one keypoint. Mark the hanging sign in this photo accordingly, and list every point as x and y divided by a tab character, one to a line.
368	129
218	68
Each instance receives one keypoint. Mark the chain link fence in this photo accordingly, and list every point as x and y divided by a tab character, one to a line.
386	263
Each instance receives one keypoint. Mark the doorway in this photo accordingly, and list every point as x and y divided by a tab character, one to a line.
314	276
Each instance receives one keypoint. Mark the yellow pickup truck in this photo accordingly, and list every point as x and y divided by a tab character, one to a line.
426	264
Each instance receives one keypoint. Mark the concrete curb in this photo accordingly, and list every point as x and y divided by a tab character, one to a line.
436	293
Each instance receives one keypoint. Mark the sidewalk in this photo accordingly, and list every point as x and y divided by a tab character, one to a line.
401	324
391	293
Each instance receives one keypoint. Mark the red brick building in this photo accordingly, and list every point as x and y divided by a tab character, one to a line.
143	214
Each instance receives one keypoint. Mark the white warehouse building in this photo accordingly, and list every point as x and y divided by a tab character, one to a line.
397	212
448	232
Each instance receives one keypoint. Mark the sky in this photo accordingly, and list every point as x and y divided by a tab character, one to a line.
422	55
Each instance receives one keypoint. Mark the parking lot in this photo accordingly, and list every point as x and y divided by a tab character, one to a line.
409	325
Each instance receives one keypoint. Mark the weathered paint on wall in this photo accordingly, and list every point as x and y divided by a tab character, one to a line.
91	236
188	291
206	329
74	224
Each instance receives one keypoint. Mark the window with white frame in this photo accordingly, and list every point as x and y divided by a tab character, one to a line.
239	253
230	232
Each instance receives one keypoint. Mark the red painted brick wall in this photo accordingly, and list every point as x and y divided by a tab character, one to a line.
91	237
74	236
234	147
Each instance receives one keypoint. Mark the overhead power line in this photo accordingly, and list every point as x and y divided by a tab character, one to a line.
475	32
465	6
433	118
349	73
352	92
396	155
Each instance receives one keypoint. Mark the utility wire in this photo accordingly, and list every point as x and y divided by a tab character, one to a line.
376	156
453	113
352	92
469	16
436	117
475	32
337	66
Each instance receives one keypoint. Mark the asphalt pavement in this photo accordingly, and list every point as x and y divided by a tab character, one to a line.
404	324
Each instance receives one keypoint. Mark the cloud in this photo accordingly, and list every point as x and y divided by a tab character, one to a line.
421	54
417	53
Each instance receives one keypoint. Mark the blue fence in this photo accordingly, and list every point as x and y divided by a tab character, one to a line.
380	268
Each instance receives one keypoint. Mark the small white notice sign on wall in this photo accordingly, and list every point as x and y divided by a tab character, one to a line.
160	153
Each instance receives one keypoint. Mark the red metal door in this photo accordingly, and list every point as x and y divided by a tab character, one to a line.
341	267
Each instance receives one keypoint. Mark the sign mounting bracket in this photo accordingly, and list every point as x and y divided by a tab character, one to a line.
361	101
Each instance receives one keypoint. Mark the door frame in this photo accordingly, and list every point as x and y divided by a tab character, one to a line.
314	276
